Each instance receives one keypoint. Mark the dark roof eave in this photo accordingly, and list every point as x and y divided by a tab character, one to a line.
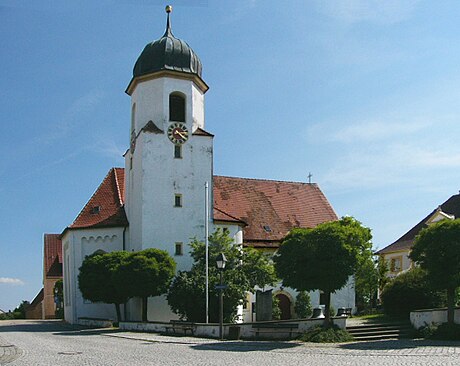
97	226
166	72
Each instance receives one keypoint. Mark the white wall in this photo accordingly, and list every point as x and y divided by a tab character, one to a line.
423	318
77	245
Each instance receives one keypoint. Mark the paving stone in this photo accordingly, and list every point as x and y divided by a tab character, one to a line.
51	343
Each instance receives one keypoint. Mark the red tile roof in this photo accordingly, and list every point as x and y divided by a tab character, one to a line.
105	207
52	255
405	242
266	209
270	208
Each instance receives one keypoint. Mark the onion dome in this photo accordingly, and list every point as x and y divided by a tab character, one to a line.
167	53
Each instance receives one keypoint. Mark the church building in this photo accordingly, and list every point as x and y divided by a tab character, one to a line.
158	199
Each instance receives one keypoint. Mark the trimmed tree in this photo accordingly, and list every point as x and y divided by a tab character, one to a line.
323	258
97	279
437	250
410	291
245	269
146	273
302	305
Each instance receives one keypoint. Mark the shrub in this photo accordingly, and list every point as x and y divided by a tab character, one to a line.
276	311
326	335
410	291
302	306
443	332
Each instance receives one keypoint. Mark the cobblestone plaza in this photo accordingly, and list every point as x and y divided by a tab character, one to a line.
53	343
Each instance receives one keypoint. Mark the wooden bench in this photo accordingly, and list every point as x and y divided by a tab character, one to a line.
273	328
180	327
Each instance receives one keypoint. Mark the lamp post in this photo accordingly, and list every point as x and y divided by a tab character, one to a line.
220	263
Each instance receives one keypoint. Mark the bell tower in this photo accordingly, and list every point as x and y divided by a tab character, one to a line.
170	155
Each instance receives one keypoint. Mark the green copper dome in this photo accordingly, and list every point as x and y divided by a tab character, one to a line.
167	53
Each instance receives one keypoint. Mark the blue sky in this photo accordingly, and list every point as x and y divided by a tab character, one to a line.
363	94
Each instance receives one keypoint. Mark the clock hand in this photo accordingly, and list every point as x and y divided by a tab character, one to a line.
182	134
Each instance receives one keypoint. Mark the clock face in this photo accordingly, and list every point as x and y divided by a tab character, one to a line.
177	133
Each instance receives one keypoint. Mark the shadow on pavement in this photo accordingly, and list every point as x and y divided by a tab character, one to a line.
35	326
397	344
57	327
244	346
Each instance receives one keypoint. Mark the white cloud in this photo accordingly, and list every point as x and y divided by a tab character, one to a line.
398	164
374	11
110	149
73	116
364	131
11	281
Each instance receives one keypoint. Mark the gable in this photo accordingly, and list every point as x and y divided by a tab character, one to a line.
106	207
449	209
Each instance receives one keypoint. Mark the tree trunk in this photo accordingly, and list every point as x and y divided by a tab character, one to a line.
327	305
117	308
450	305
144	308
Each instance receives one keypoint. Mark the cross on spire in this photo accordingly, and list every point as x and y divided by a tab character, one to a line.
309	176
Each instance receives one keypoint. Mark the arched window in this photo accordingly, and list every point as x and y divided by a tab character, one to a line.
176	107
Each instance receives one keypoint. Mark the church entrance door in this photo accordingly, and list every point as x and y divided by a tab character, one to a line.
285	306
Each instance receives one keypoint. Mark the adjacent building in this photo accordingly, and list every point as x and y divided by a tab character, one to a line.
397	254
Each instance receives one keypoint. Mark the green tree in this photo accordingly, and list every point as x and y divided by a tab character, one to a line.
97	279
58	292
245	269
382	272
302	305
437	250
409	291
276	311
366	282
324	257
20	311
146	273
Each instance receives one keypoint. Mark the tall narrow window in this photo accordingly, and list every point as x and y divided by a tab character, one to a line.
179	249
133	117
176	108
177	200
178	151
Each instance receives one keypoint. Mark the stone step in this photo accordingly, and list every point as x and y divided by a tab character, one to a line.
368	332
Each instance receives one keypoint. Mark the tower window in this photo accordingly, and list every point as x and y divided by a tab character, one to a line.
178	151
179	249
178	200
133	117
176	108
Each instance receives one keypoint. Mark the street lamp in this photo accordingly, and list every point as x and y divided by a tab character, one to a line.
220	263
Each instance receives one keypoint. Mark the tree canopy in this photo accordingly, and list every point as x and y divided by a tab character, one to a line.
323	258
117	276
97	279
437	250
146	273
245	269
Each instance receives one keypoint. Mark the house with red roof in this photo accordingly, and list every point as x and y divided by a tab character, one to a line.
396	255
43	305
167	193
